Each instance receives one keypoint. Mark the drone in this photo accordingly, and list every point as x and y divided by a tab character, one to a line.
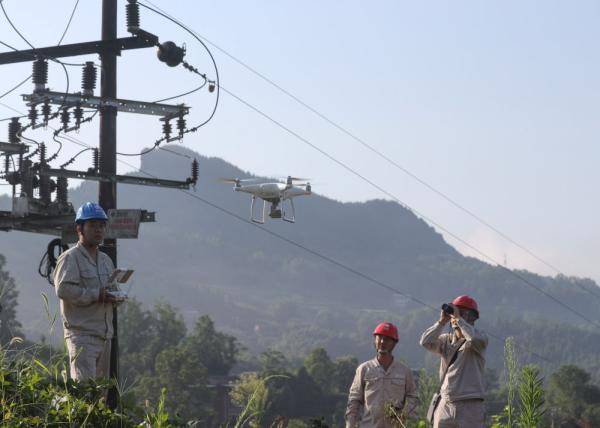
274	193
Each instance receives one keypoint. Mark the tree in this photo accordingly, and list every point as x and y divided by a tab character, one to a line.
217	351
250	393
320	367
9	326
185	380
143	334
272	361
343	374
572	398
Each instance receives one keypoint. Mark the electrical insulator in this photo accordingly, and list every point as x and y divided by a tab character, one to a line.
166	129
96	160
132	11
14	126
181	126
78	115
65	117
62	190
40	74
170	53
42	148
211	86
88	79
32	115
44	182
195	168
46	110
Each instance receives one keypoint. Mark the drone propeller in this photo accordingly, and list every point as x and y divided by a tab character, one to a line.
237	180
306	186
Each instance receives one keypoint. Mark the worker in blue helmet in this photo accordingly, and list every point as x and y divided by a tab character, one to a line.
81	280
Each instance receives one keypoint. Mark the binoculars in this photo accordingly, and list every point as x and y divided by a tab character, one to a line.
448	310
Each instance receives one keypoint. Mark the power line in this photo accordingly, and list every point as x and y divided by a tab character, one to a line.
291	242
389	194
373	149
414	211
311	251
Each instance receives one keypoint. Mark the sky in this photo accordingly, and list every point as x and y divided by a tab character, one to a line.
493	104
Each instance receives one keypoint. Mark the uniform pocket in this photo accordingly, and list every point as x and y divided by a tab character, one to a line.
372	386
398	388
89	279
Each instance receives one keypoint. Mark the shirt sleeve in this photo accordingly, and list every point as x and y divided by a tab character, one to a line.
475	339
412	400
431	340
355	398
67	283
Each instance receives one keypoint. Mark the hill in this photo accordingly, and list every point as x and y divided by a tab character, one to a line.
269	293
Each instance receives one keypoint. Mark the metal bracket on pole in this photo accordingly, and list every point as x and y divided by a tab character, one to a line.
126	179
142	40
13	149
128	106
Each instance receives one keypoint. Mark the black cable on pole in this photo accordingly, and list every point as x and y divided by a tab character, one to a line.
68	23
378	153
60	145
180	95
146	151
71	160
13	26
14	88
7	45
217	81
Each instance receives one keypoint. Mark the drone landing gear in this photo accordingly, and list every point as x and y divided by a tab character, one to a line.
275	212
292	218
260	220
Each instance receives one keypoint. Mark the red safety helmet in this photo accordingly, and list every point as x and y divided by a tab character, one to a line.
466	302
386	329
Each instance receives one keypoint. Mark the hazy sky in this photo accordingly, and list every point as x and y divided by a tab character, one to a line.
493	103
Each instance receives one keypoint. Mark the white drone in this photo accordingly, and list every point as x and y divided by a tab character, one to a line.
274	193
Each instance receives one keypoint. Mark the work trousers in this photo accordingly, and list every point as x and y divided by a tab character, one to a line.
459	414
89	357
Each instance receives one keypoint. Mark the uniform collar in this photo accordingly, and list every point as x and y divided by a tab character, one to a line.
85	252
378	364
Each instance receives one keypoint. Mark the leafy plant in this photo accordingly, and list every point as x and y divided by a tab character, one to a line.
531	397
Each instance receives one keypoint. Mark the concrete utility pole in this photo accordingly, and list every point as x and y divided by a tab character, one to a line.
107	191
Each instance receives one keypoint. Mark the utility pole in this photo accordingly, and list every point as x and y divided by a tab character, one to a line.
107	191
41	214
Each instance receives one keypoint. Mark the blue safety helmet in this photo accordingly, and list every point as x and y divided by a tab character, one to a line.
90	211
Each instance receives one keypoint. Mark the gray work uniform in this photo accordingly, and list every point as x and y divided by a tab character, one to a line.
463	390
87	323
373	388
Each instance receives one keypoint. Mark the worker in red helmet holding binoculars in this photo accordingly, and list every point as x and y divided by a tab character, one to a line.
459	401
381	385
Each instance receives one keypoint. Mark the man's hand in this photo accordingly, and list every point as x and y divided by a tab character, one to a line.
456	313
105	297
444	318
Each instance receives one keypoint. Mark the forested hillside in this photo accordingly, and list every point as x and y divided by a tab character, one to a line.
269	293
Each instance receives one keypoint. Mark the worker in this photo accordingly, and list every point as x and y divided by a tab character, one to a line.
462	365
81	282
383	389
